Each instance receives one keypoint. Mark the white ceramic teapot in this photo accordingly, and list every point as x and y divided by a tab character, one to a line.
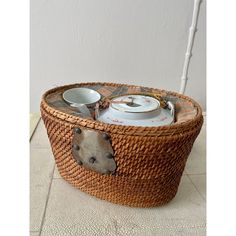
137	110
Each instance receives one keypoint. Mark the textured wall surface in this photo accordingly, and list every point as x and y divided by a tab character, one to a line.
126	41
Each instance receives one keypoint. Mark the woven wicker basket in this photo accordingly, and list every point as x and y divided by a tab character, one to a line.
150	160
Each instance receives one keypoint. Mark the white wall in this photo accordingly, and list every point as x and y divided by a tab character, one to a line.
139	42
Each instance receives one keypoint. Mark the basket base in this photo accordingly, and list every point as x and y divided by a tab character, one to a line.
132	193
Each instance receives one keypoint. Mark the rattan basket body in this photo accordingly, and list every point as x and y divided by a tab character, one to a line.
150	160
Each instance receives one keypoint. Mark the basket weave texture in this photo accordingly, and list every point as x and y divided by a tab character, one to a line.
150	160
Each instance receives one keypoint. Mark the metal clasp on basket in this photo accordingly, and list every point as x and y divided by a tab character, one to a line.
92	149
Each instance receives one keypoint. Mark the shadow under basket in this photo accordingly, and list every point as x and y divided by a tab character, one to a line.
150	160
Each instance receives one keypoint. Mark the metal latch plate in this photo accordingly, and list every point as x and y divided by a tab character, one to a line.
92	149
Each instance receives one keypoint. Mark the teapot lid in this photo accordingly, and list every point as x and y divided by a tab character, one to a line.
135	103
137	110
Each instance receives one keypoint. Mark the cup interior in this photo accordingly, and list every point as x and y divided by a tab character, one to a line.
81	96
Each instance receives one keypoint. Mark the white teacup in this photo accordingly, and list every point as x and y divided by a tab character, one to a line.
81	98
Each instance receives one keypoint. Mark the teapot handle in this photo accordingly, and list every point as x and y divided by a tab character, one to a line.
171	107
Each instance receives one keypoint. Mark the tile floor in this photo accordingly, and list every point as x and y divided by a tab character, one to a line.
58	209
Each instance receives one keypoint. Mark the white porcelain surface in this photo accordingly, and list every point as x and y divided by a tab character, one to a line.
141	103
143	111
81	96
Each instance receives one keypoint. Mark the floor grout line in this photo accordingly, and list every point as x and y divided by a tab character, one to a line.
187	173
40	148
46	204
196	174
57	178
196	188
36	126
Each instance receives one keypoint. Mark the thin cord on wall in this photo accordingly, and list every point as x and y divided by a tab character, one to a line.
188	54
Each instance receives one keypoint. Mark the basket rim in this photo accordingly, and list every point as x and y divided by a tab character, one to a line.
75	120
